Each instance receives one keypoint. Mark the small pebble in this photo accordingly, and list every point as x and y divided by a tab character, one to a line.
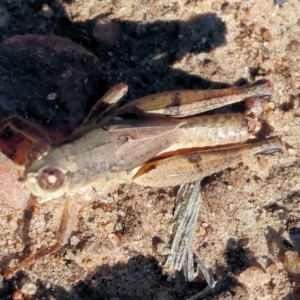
254	277
109	228
163	250
47	11
271	105
51	96
280	2
292	151
272	269
118	227
294	46
202	231
113	239
17	295
29	288
226	9
266	35
215	5
105	31
74	240
292	263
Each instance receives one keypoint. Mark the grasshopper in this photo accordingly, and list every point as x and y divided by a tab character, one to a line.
152	141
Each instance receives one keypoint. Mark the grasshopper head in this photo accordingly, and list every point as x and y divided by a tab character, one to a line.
46	174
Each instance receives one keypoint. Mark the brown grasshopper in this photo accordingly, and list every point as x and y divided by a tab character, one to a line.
152	141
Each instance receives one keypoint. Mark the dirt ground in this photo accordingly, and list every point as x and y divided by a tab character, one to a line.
249	214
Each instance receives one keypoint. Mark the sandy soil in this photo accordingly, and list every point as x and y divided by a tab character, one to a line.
249	215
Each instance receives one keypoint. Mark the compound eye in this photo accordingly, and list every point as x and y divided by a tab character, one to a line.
51	179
